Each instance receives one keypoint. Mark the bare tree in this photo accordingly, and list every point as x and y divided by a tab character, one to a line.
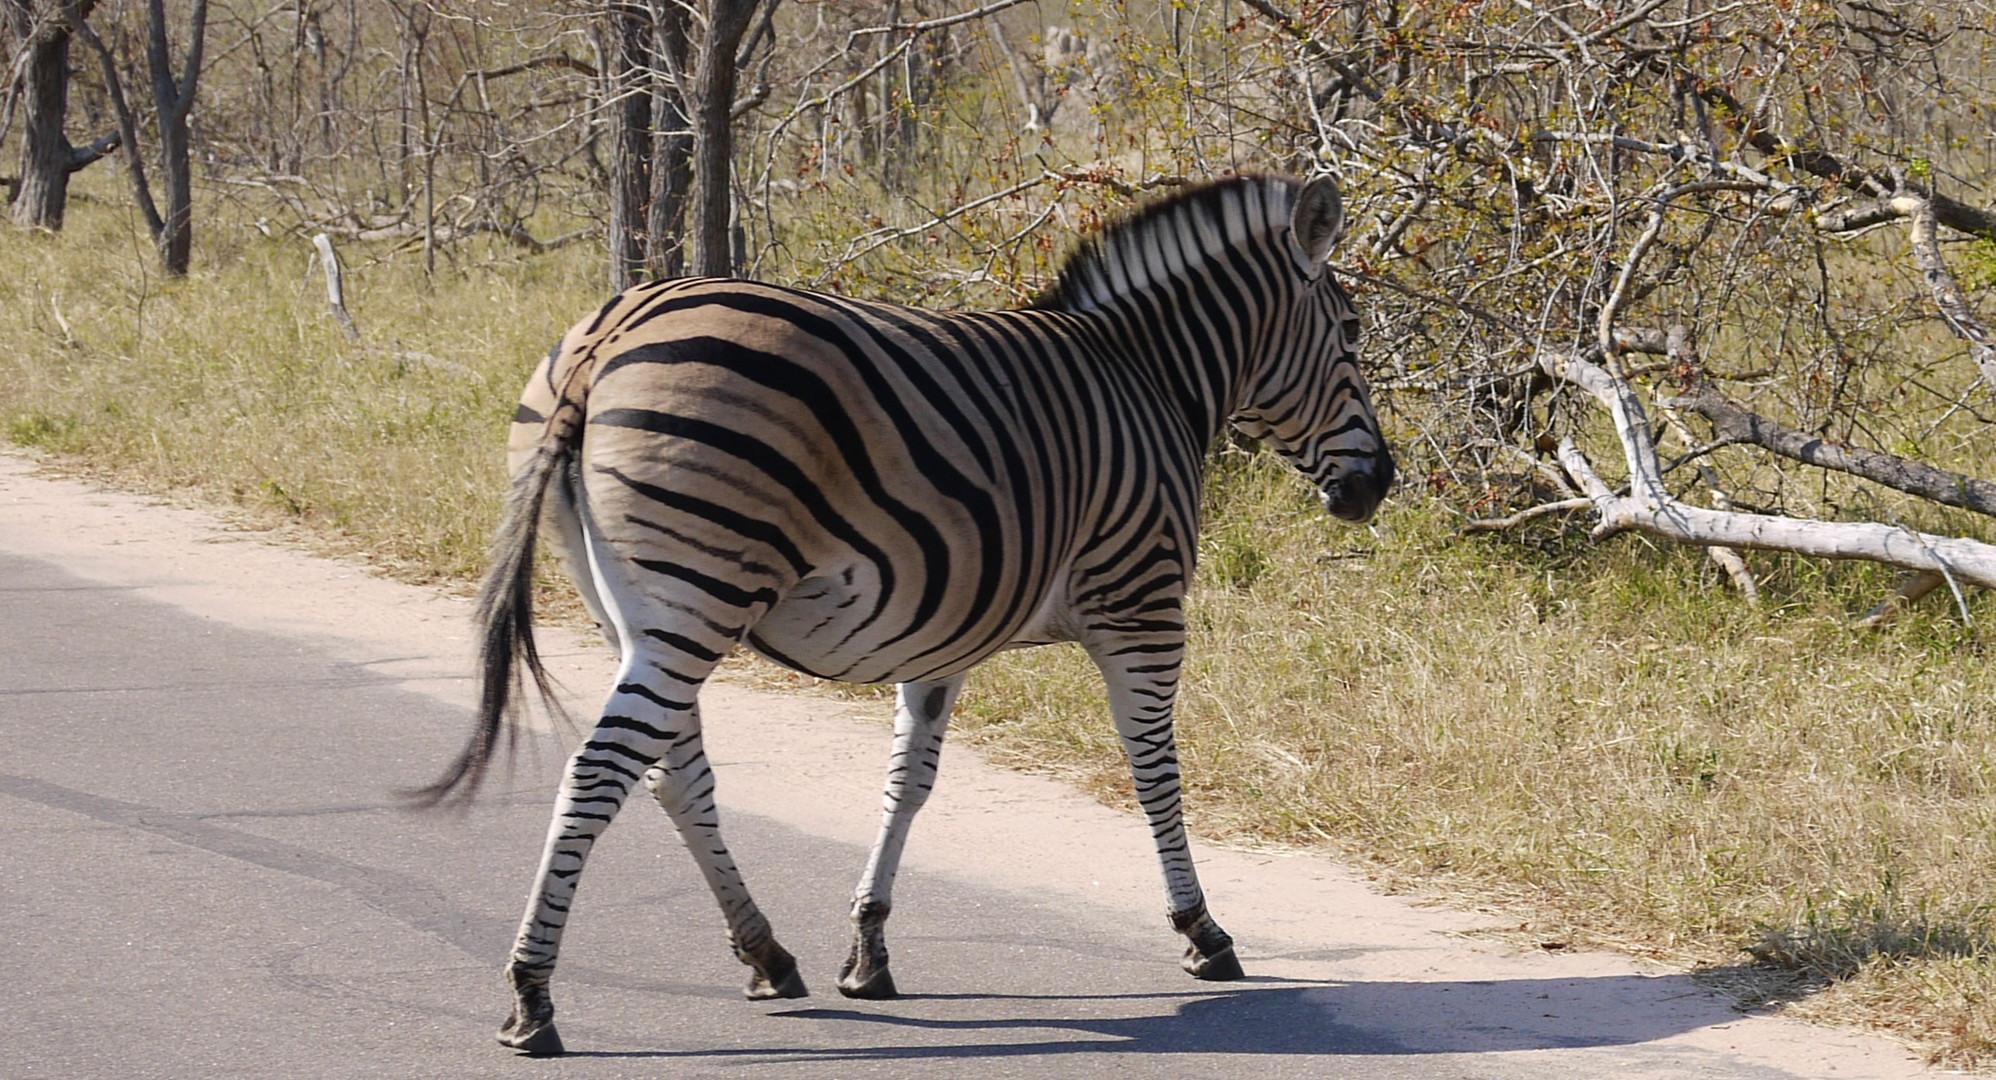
1574	209
714	79
37	34
173	100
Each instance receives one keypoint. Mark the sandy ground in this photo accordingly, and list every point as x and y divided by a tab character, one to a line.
808	763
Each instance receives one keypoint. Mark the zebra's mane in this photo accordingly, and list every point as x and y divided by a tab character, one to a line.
1125	256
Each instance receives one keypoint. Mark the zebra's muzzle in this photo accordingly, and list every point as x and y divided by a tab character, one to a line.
1356	493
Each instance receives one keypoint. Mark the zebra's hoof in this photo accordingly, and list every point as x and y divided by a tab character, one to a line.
760	988
540	1040
1222	966
875	985
864	974
785	984
529	1028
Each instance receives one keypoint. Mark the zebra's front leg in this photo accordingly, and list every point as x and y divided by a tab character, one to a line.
1141	670
921	715
683	783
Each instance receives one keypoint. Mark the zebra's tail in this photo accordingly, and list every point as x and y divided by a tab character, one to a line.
505	621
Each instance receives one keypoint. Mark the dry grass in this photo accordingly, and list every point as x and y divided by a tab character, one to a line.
1600	739
233	382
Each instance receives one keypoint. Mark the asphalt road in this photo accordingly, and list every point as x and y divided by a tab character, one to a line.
206	876
210	879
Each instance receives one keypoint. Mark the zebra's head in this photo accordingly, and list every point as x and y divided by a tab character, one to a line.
1308	401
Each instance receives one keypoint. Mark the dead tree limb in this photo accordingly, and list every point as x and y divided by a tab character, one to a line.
1650	508
1732	423
335	287
1947	295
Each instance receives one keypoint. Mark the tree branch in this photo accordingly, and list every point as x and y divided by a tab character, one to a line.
1947	295
1746	124
127	125
1732	423
82	157
190	75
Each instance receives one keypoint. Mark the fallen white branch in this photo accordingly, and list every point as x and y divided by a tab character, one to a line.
1968	560
1649	507
335	291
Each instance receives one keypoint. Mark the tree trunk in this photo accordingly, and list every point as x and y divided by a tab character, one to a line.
176	242
47	158
672	145
174	100
714	138
44	189
627	58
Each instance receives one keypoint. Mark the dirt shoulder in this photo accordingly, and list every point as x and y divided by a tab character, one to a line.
817	766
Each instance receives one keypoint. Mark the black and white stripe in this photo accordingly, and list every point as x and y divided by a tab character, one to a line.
876	493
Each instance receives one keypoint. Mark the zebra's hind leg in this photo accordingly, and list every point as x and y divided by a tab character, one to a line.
650	725
1141	667
921	715
683	783
636	728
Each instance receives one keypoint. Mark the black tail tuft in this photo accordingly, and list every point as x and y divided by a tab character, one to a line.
505	619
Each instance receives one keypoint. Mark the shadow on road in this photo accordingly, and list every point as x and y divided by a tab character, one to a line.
1355	1018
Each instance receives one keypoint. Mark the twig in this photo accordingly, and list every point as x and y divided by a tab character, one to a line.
939	22
1482	525
1946	572
869	242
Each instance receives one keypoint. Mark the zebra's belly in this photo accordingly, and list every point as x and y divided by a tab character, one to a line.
812	628
1053	621
825	627
832	626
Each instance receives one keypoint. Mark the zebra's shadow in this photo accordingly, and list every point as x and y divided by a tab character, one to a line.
1283	1017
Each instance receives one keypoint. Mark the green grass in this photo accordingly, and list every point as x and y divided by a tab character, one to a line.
1600	739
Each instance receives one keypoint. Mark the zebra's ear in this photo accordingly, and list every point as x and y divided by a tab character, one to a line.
1319	218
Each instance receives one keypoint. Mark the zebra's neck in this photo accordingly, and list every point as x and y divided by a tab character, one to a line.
1185	290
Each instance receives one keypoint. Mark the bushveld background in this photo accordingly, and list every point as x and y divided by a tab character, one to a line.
1707	757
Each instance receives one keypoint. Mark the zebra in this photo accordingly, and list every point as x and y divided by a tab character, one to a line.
874	493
